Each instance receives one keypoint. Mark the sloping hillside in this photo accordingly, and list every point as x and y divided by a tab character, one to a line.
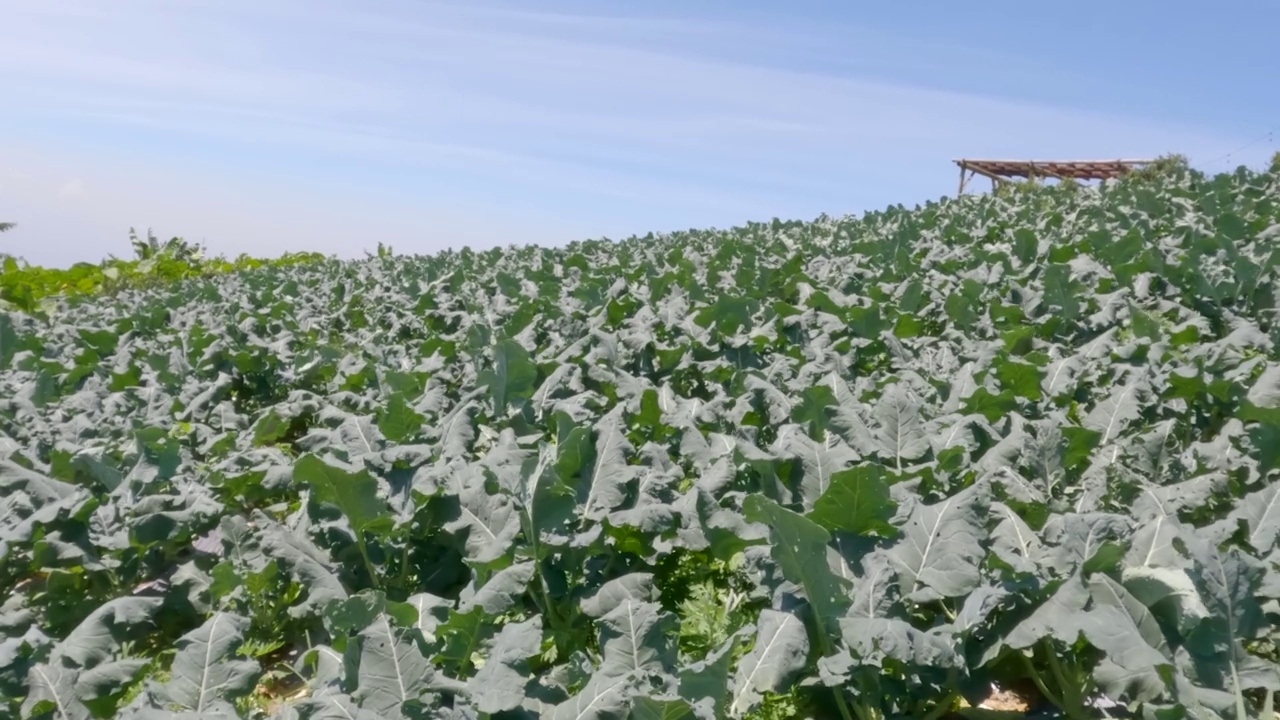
852	468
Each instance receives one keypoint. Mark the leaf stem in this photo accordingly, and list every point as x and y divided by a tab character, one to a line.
550	609
368	564
1069	691
946	610
844	709
825	649
404	566
1241	714
1039	681
857	708
942	707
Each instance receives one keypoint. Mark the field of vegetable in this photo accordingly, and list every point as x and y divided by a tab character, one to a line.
854	468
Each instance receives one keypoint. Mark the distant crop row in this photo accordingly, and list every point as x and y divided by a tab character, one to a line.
27	288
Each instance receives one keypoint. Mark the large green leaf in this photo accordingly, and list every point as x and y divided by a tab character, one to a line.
1113	414
607	483
206	669
900	434
1261	513
705	683
941	548
1228	585
820	462
511	377
856	501
1061	617
53	693
499	685
99	636
635	638
354	492
398	421
780	651
605	697
1138	658
632	587
799	547
393	668
488	522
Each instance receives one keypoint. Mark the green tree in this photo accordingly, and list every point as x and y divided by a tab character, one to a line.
5	227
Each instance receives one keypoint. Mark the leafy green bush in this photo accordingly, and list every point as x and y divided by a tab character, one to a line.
1163	166
27	287
1013	188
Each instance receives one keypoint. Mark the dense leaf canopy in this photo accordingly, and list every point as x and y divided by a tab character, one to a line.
847	468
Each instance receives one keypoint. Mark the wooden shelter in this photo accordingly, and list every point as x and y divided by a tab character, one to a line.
1006	170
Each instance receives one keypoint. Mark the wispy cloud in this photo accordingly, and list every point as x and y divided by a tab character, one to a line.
588	124
71	189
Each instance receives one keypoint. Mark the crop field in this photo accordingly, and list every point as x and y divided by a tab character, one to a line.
1024	443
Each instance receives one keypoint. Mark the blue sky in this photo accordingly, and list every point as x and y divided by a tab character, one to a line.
279	125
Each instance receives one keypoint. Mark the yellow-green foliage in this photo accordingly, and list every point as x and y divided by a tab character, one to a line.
1162	166
25	287
1009	188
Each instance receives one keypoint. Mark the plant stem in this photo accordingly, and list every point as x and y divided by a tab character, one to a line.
942	707
1039	681
1070	693
825	649
368	564
844	709
550	609
946	610
404	566
1241	714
